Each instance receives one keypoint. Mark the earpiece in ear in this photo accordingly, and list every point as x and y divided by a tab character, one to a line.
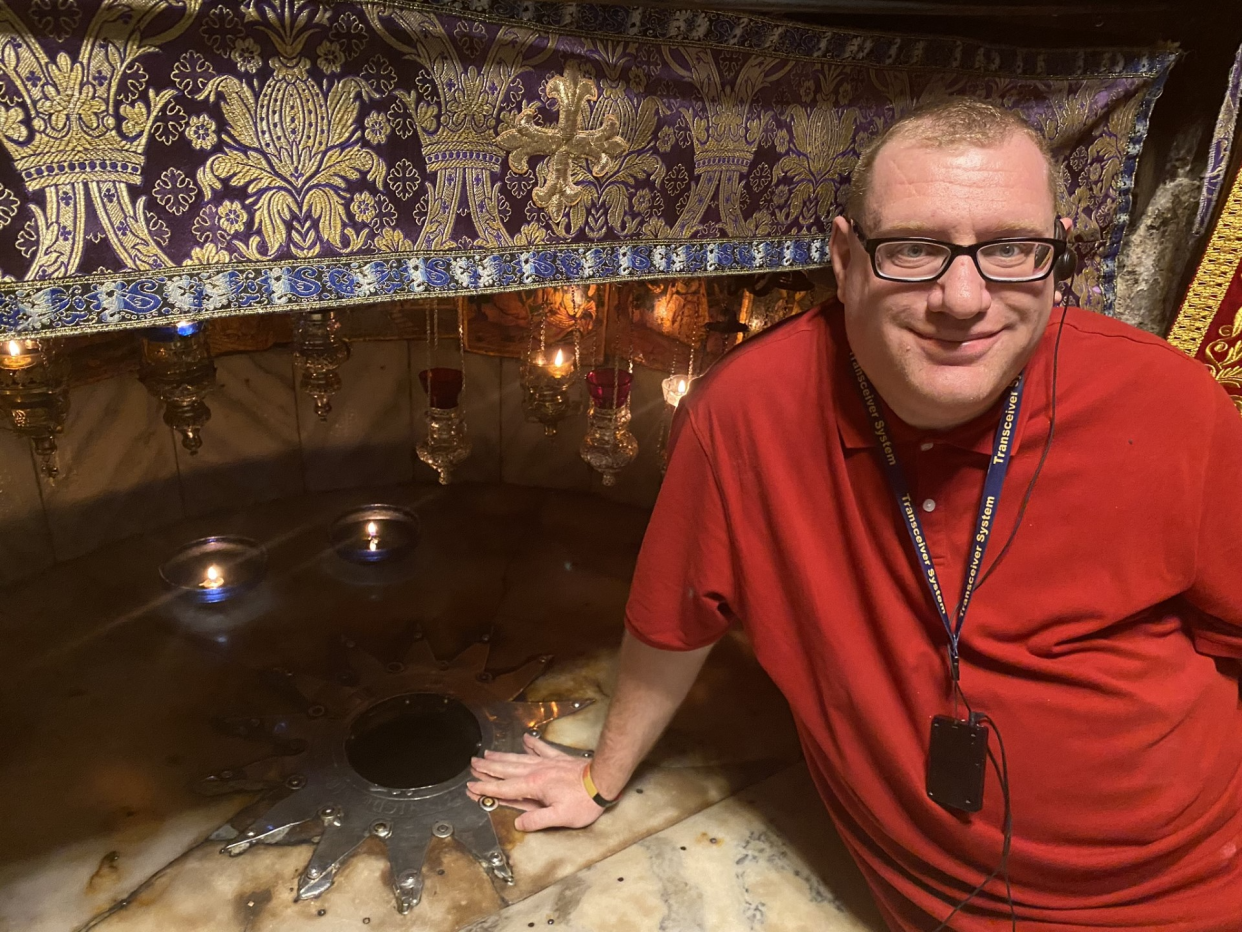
1067	264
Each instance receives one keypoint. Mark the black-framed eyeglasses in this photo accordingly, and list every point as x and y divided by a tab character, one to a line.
1010	260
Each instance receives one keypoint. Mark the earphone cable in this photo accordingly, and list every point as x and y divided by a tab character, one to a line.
1002	773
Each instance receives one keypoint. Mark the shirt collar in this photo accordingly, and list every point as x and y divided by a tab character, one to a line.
976	435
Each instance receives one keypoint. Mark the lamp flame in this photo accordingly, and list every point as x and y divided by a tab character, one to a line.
214	580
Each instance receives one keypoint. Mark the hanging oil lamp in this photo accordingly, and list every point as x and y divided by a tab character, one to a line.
177	368
674	389
34	396
446	444
608	446
773	298
320	351
548	373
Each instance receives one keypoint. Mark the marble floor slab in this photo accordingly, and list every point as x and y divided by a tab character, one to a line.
765	859
113	684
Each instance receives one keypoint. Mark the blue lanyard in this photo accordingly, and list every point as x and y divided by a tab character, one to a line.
1002	451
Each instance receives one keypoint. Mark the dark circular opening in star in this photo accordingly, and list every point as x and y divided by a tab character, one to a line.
413	741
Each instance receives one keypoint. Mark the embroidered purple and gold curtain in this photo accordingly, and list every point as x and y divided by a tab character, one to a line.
200	158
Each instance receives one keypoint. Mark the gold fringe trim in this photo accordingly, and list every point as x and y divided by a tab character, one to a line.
1207	291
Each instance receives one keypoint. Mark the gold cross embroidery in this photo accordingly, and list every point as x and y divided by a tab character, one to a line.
564	143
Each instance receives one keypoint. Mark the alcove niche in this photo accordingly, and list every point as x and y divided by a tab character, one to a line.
125	696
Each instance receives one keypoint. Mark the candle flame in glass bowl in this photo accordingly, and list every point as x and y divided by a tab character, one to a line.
675	388
214	580
18	354
560	366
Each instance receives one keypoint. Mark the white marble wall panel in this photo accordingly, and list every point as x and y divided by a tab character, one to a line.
527	457
367	439
118	471
480	403
250	449
639	483
25	544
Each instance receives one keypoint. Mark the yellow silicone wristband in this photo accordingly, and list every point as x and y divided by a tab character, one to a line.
593	790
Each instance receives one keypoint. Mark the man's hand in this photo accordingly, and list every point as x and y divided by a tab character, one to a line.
545	782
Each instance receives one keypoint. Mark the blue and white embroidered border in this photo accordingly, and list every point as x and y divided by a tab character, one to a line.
140	301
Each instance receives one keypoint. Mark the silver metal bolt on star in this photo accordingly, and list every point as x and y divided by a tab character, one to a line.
408	890
296	782
442	830
487	804
499	866
381	829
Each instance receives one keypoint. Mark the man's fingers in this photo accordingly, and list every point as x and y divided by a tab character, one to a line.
537	819
504	789
543	749
501	768
526	805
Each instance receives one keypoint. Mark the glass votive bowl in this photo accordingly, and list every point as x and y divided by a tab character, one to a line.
374	533
215	569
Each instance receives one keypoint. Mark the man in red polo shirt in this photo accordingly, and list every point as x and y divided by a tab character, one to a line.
947	514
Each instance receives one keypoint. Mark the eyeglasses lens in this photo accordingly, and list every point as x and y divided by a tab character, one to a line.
913	260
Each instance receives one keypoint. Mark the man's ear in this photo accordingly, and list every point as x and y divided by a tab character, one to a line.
839	248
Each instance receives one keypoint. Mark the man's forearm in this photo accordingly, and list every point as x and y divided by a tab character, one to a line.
651	684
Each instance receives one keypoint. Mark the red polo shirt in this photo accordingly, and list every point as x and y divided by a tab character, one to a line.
1105	644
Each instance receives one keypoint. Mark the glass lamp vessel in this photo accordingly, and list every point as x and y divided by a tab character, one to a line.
446	444
34	396
177	368
609	446
548	375
320	351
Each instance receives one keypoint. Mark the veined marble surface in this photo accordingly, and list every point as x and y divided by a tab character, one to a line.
765	859
25	542
113	686
124	471
250	449
118	471
367	436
